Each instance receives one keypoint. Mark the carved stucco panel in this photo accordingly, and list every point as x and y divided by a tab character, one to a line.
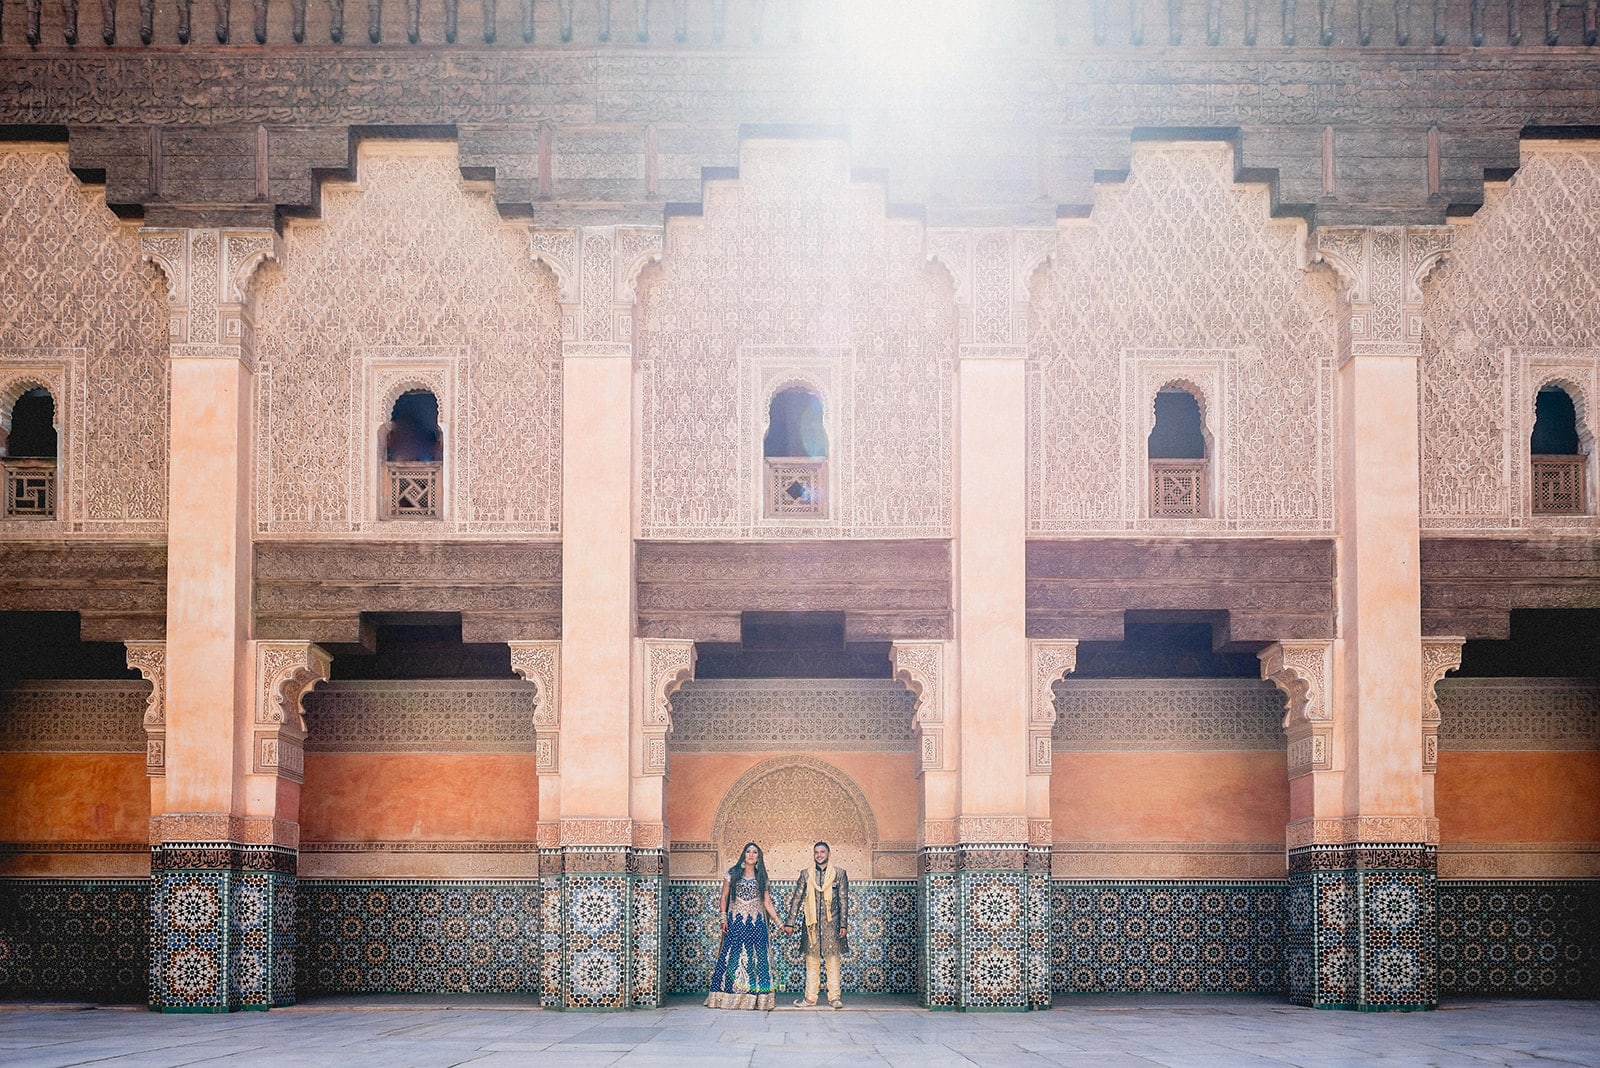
793	257
1303	670
112	405
921	667
786	804
285	673
664	665
540	663
407	263
1498	312
1049	661
1180	259
149	659
1439	656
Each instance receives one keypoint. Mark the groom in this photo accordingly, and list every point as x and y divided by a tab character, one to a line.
822	895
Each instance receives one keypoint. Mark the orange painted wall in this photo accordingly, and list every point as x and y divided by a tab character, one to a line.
74	797
1169	797
698	782
434	797
1518	797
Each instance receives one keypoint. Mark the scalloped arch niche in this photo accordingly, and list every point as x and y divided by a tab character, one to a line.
787	804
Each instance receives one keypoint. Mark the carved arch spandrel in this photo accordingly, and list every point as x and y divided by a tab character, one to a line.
285	673
1440	656
1303	670
920	667
665	664
1049	661
540	663
149	659
788	802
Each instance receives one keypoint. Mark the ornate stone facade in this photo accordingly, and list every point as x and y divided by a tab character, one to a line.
103	360
471	320
1500	324
1149	293
867	327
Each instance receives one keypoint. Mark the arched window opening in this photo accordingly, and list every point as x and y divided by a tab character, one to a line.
1177	455
1559	465
413	458
28	452
796	452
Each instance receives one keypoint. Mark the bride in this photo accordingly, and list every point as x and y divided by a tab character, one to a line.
742	978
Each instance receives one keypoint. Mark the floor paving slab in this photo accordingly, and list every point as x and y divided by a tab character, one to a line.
1107	1032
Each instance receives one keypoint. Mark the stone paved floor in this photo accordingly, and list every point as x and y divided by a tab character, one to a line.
1236	1032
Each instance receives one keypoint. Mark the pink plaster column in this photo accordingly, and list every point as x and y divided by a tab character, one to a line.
223	846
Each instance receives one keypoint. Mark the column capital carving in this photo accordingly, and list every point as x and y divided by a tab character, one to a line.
285	673
597	272
149	659
1049	661
665	664
209	293
1303	670
539	662
1440	656
920	667
1381	270
992	269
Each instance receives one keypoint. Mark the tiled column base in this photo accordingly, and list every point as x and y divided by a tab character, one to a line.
985	914
1363	928
222	926
602	932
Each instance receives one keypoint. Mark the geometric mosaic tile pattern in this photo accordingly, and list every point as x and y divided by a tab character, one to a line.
994	943
1167	936
598	915
75	938
1526	938
419	936
1362	928
939	909
222	937
883	937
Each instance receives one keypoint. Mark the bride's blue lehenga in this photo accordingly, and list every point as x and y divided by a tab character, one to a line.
742	978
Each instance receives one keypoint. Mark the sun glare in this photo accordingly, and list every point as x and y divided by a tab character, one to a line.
907	38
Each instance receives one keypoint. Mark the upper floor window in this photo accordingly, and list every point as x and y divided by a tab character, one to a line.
28	453
796	453
1559	466
1177	452
413	458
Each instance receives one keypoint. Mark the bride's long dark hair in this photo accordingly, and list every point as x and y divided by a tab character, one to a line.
736	872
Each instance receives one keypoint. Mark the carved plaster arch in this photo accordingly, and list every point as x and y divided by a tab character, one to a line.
539	663
1303	670
557	251
1575	392
665	665
1050	661
919	666
285	673
247	253
803	381
762	791
1440	656
149	659
631	270
12	389
1203	402
1035	256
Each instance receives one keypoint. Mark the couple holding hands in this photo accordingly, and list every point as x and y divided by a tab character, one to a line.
742	978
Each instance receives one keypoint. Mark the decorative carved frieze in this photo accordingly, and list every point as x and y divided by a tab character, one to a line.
921	667
663	665
285	673
1486	715
1303	670
149	659
752	715
540	663
1439	656
1362	830
209	294
1048	662
1167	715
76	716
1381	270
